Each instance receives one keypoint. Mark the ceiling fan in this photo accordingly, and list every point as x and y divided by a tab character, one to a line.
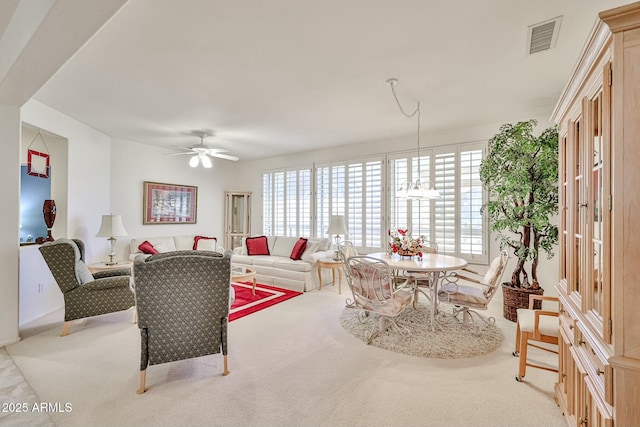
201	152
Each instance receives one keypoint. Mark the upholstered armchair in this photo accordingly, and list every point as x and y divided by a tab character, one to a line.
85	294
182	299
372	283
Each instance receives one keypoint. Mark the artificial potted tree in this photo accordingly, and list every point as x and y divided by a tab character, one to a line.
520	174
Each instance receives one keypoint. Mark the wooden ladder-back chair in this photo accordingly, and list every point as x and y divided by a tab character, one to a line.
535	326
372	284
469	293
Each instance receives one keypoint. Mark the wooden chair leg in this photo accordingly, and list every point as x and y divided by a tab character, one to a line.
135	315
226	366
143	379
522	365
517	350
65	329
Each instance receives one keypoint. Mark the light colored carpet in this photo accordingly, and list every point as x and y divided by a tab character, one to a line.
19	406
411	333
291	365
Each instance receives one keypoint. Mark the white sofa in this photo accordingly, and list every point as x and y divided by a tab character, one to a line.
278	269
169	243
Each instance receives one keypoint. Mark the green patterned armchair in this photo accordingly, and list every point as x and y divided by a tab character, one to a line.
182	299
85	294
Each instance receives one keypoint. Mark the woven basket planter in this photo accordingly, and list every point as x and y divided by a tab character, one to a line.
515	298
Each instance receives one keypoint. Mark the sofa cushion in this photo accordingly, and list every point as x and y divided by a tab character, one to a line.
291	265
147	248
257	246
323	243
298	249
182	243
283	246
264	260
243	259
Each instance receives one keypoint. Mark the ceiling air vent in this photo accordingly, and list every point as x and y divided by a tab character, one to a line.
543	35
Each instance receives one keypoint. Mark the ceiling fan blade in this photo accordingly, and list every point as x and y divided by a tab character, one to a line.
225	156
216	150
180	154
178	147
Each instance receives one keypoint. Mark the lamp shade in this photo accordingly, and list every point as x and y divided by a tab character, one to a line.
337	225
111	226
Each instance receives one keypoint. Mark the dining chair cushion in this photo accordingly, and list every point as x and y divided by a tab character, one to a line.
548	325
401	298
489	276
468	295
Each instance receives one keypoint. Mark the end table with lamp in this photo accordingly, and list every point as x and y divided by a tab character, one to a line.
111	228
333	265
337	227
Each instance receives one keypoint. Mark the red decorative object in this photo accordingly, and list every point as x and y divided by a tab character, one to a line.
147	248
298	249
257	245
49	212
37	164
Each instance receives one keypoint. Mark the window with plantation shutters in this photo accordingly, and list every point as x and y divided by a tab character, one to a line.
300	202
287	199
354	189
454	221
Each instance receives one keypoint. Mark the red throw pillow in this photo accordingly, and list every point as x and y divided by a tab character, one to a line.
207	246
298	249
257	245
147	248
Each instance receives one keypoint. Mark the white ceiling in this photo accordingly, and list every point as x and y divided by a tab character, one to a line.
279	76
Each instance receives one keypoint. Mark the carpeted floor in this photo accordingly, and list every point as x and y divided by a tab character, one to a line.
291	365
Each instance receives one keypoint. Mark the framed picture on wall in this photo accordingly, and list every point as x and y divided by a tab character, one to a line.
169	203
37	164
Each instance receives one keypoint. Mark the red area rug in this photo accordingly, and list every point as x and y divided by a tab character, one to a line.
246	303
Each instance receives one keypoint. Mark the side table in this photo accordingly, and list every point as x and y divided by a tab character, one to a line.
333	265
103	266
242	274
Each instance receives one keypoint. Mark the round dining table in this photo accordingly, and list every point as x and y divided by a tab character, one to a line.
435	265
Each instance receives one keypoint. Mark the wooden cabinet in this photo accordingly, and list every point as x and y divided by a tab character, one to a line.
599	223
237	224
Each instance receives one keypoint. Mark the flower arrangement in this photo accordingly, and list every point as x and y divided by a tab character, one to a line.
403	244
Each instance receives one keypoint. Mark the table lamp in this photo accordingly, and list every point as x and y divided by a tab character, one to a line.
337	227
111	228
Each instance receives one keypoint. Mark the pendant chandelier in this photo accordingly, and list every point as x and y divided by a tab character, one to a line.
417	190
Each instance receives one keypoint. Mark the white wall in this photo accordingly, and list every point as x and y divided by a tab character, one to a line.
250	175
133	163
9	222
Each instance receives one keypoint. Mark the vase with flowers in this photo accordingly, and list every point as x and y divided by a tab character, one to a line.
401	243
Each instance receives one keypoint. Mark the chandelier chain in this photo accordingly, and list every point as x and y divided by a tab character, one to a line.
409	115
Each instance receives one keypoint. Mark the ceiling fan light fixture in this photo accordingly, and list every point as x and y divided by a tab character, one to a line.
206	161
193	162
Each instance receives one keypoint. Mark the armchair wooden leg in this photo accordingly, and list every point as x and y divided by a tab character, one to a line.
517	350
143	378
522	365
226	366
135	315
65	329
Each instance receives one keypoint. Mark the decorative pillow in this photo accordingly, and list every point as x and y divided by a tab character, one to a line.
161	248
298	249
257	246
311	248
82	273
203	243
147	248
